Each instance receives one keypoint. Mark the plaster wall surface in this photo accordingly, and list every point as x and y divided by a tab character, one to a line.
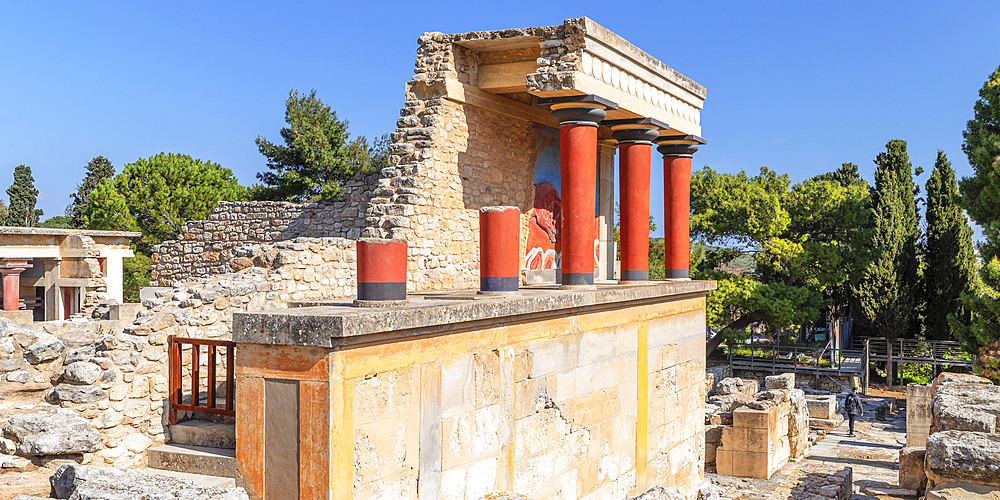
573	402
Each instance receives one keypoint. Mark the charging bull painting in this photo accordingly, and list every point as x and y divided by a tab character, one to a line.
543	249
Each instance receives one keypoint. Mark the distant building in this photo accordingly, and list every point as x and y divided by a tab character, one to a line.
59	273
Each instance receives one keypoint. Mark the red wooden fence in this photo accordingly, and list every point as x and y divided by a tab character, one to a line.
176	377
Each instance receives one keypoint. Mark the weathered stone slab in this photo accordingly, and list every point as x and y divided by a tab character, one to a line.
85	482
963	491
954	456
45	348
822	407
783	381
965	406
826	423
52	434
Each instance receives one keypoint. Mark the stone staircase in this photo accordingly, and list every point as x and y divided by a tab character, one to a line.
203	451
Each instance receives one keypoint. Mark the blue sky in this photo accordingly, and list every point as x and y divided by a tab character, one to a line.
797	86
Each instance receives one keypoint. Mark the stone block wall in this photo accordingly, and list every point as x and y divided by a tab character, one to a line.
228	239
750	434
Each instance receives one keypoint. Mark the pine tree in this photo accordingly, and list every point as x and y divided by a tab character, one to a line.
887	294
981	192
318	157
98	169
949	257
23	195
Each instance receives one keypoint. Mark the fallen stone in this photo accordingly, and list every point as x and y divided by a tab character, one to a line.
961	406
783	381
82	372
659	493
86	482
896	492
963	456
822	406
81	354
19	376
79	338
45	348
77	393
47	433
963	491
961	378
911	469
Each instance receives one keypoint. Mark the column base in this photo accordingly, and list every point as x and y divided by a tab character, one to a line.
578	287
677	273
634	275
577	279
495	284
497	293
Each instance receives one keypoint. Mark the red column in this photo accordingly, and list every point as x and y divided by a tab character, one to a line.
677	205
11	271
381	272
634	149
499	242
578	179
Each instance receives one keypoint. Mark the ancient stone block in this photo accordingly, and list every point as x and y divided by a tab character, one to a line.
55	433
963	456
822	407
911	469
783	381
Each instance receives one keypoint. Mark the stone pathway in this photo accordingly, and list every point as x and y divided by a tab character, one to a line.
872	454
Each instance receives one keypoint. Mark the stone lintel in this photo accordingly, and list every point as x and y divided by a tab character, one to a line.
336	323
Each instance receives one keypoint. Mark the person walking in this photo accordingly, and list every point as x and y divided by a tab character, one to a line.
853	407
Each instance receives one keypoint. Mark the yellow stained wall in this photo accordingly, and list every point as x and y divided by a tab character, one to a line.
599	404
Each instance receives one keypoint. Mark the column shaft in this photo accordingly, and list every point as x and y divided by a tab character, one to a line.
11	289
578	171
633	173
677	208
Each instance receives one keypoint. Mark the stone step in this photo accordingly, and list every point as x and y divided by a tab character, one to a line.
217	462
199	479
204	433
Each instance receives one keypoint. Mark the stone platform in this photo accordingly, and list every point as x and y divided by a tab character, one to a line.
595	393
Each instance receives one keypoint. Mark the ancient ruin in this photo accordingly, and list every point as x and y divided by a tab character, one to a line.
588	384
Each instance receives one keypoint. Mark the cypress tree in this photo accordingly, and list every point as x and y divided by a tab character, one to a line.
23	196
98	169
887	293
949	256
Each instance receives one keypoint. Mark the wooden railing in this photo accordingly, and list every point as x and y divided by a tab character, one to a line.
175	351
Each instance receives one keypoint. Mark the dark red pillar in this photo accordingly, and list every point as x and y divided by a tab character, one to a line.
499	242
578	178
381	273
677	152
634	149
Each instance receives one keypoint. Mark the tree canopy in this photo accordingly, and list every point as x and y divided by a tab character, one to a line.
981	191
950	261
318	157
22	195
801	240
98	169
157	195
887	296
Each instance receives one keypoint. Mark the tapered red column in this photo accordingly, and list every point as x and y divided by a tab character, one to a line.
634	150
578	178
11	270
677	152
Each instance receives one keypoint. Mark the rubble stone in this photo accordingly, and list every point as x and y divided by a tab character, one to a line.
86	482
45	348
52	434
911	469
783	381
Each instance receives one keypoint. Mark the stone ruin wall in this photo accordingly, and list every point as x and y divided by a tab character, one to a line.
447	160
230	239
111	376
962	437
